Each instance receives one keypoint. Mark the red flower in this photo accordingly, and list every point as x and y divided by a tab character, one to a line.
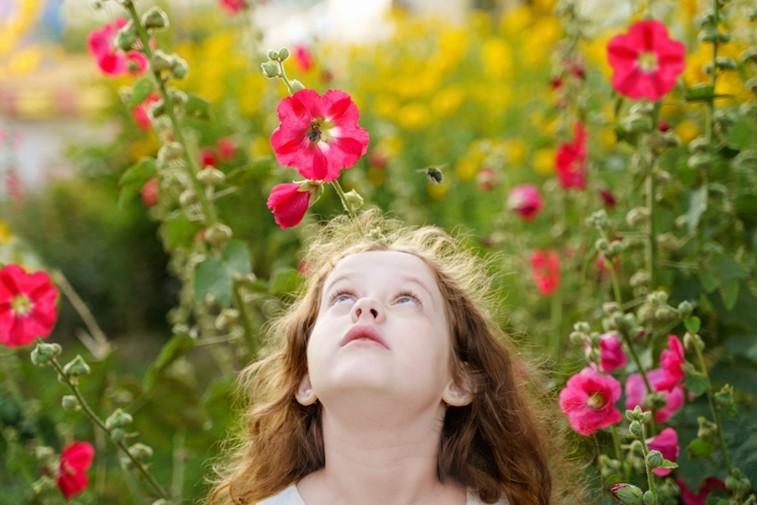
233	6
667	443
207	158
689	497
303	58
671	362
588	400
111	60
75	460
226	148
525	200
545	269
611	355
140	112
319	135
27	306
646	62
150	192
608	198
288	204
636	391
570	160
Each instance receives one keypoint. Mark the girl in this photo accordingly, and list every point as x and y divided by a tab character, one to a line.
388	382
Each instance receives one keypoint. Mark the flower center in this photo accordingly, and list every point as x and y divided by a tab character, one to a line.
315	131
648	61
21	305
596	401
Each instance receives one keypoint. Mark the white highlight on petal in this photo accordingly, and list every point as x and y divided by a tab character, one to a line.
334	132
323	146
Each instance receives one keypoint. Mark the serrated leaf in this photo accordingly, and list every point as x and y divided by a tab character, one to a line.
179	345
178	230
236	257
730	293
700	448
695	381
135	177
697	206
197	108
668	464
692	324
709	281
141	89
215	275
285	281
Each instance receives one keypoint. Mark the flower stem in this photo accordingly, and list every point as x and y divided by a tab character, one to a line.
339	191
711	102
99	422
249	334
190	163
645	450
284	78
714	410
616	445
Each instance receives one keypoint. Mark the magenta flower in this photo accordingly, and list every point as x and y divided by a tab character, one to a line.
545	270
111	60
140	112
570	161
671	362
646	62
303	58
588	400
525	200
319	135
28	306
689	497
611	355
75	460
288	204
636	391
233	6
667	443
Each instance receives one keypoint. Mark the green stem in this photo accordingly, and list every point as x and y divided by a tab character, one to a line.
284	78
616	445
714	78
556	323
99	422
244	313
645	450
190	162
714	410
339	191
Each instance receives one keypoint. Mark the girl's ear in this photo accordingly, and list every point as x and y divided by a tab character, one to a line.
458	396
305	394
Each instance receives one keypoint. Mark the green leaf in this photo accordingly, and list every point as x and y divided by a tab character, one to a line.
730	293
197	108
178	231
710	282
179	345
693	324
668	464
702	93
697	206
236	257
727	268
695	381
141	89
285	281
741	135
216	275
700	448
135	177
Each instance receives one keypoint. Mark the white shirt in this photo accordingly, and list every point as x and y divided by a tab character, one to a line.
290	496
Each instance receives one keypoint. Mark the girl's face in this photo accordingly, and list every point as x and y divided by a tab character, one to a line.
394	294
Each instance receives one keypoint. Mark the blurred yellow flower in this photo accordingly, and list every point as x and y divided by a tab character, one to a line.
390	146
414	116
142	147
687	130
595	52
728	82
24	61
516	151
5	233
607	138
437	191
447	101
259	147
516	20
544	161
497	58
385	106
539	44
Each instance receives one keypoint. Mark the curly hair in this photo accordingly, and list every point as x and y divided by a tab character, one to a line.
502	443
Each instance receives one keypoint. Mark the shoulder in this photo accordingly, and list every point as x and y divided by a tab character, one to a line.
287	496
473	499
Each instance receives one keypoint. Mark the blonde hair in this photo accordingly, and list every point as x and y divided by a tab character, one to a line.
495	445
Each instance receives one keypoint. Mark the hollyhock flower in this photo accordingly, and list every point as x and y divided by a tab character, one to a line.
233	6
525	200
288	204
588	400
319	135
646	62
689	497
27	306
208	158
545	269
608	199
667	443
226	148
570	161
636	391
303	58
111	60
611	355
141	114
486	179
671	362
149	192
75	460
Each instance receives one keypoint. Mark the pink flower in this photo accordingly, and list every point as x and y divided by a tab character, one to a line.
636	391
487	179
150	192
646	62
667	443
288	204
111	60
28	307
141	114
207	157
570	160
233	6
611	355
545	269
226	148
588	400
319	135
303	58
75	460
525	200
671	362
689	497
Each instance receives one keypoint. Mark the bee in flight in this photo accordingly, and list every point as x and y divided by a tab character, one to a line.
433	173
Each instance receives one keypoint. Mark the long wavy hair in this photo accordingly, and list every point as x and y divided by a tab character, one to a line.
502	443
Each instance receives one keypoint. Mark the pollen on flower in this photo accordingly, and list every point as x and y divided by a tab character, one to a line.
648	61
596	401
21	305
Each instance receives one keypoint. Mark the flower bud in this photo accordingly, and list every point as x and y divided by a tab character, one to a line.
273	54
76	367
635	414
636	123
43	485
582	327
44	353
169	151
353	199
654	459
117	434
211	176
218	234
179	68
601	245
610	308
639	278
649	498
126	37
628	494
155	18
69	402
636	429
161	61
187	198
637	216
693	341
157	109
707	429
118	419
44	454
283	54
178	97
724	398
296	85
270	69
141	452
684	309
225	319
737	482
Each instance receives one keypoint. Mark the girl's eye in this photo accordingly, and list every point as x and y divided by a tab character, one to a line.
343	295
407	295
338	296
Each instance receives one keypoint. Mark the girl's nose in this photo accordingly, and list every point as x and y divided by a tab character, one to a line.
367	308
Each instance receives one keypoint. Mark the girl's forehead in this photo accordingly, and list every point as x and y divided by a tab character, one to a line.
392	265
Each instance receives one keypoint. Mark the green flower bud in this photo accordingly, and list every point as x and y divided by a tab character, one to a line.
576	338
699	160
69	402
118	419
162	61
665	314
155	18
126	37
636	429
649	498
44	485
601	245
179	68
218	234
635	414
44	454
178	97
76	367
270	69
737	482
627	494
141	452
654	459
273	54
582	327
157	109
712	35
211	176
685	309
225	319
296	85
636	123
637	447
637	216
283	54
598	219
187	198
43	353
693	341
707	429
170	151
610	307
117	434
353	199
724	398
